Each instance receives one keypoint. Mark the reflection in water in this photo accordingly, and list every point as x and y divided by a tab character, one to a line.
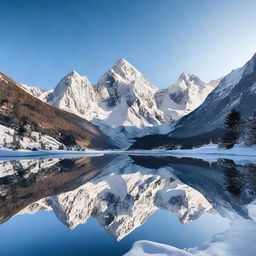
122	192
27	181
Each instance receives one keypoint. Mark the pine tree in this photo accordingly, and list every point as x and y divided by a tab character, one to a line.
233	120
233	126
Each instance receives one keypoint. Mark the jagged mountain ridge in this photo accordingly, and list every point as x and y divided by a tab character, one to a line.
124	104
35	91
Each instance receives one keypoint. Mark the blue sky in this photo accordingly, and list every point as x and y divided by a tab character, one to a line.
42	40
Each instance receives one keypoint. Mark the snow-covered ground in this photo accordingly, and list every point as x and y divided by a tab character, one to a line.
35	140
236	241
8	154
241	154
238	149
209	152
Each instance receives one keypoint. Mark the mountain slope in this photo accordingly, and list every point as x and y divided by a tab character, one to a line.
20	109
236	90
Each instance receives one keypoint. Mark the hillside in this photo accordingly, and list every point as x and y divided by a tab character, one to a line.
19	109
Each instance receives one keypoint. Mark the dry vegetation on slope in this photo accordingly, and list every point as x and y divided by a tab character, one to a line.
17	108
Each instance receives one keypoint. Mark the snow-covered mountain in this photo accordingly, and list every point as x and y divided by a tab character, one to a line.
184	96
237	90
74	94
124	104
129	96
122	97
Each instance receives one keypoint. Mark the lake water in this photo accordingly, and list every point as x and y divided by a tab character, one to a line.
100	206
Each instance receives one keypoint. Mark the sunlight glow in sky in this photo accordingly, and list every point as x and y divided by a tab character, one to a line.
43	40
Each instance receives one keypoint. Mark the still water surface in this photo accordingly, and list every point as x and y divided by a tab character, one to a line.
102	205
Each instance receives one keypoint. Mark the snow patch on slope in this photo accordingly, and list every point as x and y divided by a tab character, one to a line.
35	140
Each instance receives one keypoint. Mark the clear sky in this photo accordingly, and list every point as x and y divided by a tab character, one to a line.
42	40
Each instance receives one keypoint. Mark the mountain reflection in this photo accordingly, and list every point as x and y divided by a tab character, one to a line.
122	192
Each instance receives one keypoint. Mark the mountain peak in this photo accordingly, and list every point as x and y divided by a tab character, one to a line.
122	66
184	75
123	70
72	79
73	73
189	79
122	61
